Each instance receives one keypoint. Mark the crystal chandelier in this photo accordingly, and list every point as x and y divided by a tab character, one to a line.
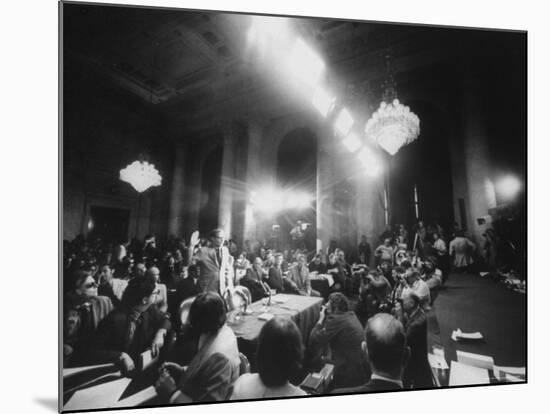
141	175
393	125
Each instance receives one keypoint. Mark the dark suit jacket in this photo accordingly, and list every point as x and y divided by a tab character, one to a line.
253	281
275	279
371	386
110	339
343	333
418	373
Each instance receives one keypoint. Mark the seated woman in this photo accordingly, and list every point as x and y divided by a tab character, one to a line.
279	357
214	368
83	311
134	328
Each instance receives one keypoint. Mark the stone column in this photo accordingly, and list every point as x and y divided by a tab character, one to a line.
253	173
480	191
177	199
227	178
325	187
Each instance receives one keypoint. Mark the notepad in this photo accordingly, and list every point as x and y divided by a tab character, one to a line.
462	374
136	399
475	360
147	359
100	396
265	316
458	335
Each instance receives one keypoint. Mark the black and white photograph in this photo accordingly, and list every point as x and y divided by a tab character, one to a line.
261	206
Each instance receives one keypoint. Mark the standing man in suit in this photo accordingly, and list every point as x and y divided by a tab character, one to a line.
387	354
214	262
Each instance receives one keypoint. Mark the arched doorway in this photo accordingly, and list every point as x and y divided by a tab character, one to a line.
297	171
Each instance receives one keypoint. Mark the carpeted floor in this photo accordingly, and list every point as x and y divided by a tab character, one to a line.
472	304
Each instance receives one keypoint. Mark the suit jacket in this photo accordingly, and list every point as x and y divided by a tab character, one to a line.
275	279
301	278
418	373
374	385
111	337
343	333
253	281
215	275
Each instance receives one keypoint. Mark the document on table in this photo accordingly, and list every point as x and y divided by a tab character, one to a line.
100	396
458	335
437	361
265	316
67	372
136	399
475	360
462	374
147	359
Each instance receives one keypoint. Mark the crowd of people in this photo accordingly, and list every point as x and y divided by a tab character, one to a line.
123	299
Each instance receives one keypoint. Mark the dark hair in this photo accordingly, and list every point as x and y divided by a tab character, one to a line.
79	277
338	302
385	338
414	297
213	233
207	313
405	264
137	289
280	351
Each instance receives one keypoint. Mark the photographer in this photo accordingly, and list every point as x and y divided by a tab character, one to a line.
374	296
412	282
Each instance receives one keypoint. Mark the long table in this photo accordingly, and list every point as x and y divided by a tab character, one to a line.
303	310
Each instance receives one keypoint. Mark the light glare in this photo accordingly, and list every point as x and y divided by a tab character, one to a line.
508	187
344	122
322	101
304	64
352	142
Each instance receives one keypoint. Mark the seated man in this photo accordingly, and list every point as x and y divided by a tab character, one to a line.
316	265
110	286
431	274
387	355
254	281
299	278
418	373
339	330
83	311
132	329
215	366
275	278
162	296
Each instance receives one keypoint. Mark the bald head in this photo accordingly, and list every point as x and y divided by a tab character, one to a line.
386	349
154	271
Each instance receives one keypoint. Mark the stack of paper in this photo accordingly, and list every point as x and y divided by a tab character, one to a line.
475	360
458	335
462	374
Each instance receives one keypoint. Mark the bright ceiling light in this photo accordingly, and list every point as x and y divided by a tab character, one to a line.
343	122
267	28
141	175
352	142
508	187
304	64
322	101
